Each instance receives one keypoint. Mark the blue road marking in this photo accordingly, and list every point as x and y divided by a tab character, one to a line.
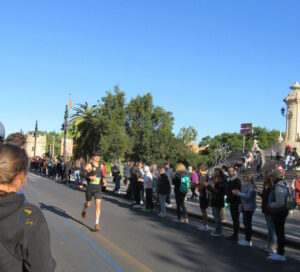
97	249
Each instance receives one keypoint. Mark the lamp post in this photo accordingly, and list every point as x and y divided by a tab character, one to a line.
65	128
35	135
53	143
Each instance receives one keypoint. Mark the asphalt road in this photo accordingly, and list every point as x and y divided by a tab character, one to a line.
133	240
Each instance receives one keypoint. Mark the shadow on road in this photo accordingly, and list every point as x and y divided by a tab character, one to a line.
219	254
63	214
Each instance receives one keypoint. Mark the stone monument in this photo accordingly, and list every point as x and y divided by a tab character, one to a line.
292	115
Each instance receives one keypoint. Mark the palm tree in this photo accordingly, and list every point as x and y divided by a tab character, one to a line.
85	128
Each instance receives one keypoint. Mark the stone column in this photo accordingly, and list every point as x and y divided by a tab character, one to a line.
293	114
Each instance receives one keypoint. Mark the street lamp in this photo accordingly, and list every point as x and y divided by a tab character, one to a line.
35	135
65	128
289	115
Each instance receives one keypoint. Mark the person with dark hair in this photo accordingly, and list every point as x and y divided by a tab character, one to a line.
217	189
137	186
271	245
23	247
93	190
234	201
248	198
17	139
163	190
277	206
203	196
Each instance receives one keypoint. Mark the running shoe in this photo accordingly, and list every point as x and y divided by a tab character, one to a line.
203	228
245	243
277	257
97	228
83	214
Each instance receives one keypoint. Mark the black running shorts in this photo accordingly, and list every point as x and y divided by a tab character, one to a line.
93	192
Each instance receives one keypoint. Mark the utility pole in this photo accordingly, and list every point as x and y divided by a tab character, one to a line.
35	135
65	128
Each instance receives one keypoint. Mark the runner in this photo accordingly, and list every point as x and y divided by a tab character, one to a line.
94	175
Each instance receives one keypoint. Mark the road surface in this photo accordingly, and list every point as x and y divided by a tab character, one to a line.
133	240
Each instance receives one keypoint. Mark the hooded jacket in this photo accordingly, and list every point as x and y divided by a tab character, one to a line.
248	197
24	237
277	197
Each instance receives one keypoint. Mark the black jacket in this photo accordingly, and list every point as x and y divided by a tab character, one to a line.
177	181
218	193
24	237
164	187
234	183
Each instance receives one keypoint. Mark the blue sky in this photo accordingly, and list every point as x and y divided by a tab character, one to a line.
214	64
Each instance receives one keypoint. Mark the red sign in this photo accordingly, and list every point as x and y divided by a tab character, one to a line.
246	131
247	126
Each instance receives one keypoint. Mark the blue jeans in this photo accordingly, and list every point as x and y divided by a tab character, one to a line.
217	217
271	230
76	176
118	184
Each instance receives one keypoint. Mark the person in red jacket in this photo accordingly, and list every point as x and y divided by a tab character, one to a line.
297	189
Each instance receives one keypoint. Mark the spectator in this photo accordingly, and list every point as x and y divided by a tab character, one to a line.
203	196
234	201
169	173
279	213
163	189
217	189
34	239
194	183
149	186
137	185
271	245
296	185
179	195
116	173
77	168
248	198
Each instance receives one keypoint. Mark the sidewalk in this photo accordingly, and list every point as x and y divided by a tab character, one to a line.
292	226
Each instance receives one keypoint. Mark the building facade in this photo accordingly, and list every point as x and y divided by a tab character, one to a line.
41	142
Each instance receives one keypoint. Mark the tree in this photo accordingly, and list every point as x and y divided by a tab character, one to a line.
114	142
188	135
139	126
85	130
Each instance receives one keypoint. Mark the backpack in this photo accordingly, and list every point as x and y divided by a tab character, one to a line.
184	185
291	197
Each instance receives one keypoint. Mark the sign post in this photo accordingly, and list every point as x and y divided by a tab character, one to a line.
246	129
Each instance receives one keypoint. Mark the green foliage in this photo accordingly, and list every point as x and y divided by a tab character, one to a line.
188	135
266	139
50	136
114	141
